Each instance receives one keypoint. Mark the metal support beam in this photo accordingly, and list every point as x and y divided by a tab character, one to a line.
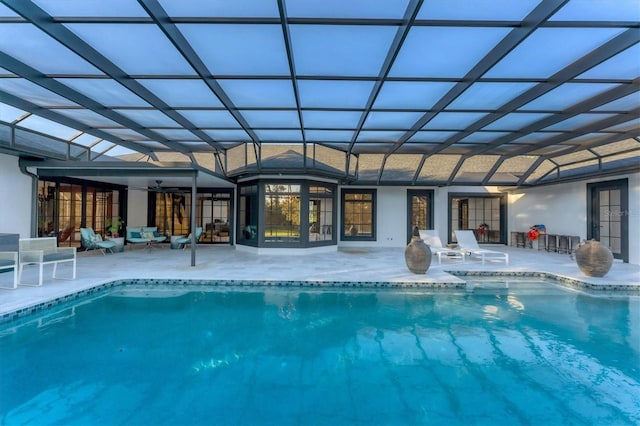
282	8
67	92
65	36
22	104
194	192
590	128
530	23
401	34
532	168
493	170
161	19
616	137
582	107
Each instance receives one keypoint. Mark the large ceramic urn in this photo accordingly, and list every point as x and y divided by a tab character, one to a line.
593	258
417	254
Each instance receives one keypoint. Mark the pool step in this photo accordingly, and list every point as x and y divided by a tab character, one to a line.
487	285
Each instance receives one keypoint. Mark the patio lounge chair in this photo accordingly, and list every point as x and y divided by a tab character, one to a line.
91	241
187	240
468	243
432	239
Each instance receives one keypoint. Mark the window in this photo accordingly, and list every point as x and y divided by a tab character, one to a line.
419	209
69	214
172	213
485	215
66	205
213	215
358	215
282	213
248	214
286	213
320	213
47	210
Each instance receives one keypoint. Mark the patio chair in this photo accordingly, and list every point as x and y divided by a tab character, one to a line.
146	235
468	243
187	240
430	236
44	251
9	260
134	236
93	241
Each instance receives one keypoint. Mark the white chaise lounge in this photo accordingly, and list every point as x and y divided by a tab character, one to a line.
467	242
431	238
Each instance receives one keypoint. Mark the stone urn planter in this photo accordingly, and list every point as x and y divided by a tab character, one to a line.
593	258
417	255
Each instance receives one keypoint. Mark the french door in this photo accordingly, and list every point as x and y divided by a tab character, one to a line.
419	210
608	215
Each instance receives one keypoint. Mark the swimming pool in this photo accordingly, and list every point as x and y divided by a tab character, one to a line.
529	352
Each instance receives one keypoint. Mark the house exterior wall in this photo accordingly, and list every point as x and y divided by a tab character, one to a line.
137	206
562	208
634	218
16	189
391	215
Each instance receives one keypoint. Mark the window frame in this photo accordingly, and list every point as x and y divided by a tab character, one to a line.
343	235
429	194
304	241
251	209
502	211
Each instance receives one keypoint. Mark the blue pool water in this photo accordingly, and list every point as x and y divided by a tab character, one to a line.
528	352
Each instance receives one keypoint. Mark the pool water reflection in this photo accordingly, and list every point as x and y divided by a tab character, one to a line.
526	353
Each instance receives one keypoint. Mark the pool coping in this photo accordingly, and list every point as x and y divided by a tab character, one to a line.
176	284
595	288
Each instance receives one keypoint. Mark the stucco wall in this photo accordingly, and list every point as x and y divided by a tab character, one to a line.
15	193
562	208
137	207
391	220
634	218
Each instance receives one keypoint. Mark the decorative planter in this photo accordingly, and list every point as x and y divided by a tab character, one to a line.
417	255
593	258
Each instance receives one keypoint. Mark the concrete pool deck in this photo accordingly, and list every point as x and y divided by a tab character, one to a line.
226	263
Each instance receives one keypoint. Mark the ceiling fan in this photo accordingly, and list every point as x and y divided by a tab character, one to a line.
159	188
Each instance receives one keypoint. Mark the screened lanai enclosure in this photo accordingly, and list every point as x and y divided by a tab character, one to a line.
429	92
358	93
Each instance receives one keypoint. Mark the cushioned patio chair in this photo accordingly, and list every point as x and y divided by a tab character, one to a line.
468	243
187	240
431	238
44	251
93	241
134	235
8	260
146	235
152	233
